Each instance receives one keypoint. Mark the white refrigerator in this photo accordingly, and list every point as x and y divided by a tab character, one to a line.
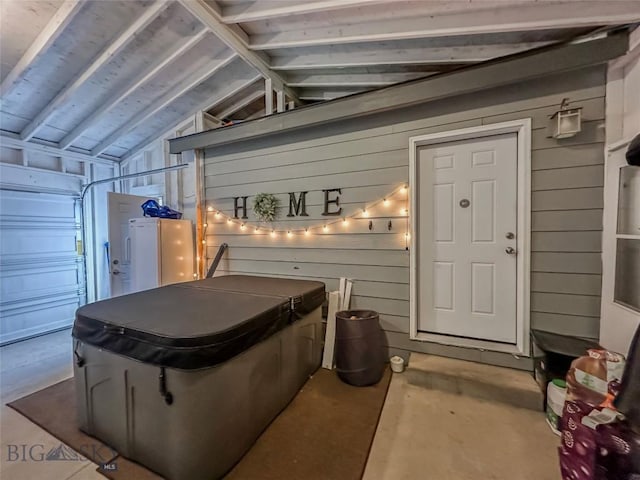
161	252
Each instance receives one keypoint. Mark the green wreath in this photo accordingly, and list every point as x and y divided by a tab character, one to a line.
265	206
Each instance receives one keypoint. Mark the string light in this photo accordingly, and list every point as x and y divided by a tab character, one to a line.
204	242
306	230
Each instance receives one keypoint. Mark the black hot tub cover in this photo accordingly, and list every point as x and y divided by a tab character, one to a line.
196	324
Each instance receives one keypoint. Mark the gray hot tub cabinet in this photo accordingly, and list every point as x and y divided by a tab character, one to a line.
184	378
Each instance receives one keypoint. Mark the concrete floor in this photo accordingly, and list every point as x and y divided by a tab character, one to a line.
451	419
443	419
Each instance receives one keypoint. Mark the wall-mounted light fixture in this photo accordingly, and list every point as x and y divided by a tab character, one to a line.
566	122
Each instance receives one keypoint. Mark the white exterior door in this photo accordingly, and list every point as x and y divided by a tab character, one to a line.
466	239
121	208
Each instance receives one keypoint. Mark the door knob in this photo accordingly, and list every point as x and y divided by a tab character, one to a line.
510	235
116	272
510	250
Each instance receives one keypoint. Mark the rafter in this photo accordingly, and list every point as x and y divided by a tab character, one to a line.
321	94
240	104
179	90
128	89
526	17
251	13
12	141
43	41
105	57
237	40
351	80
438	57
230	92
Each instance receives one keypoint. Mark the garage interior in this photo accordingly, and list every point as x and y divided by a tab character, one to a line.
198	103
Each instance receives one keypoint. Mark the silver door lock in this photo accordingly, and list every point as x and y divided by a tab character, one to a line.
510	235
510	250
464	203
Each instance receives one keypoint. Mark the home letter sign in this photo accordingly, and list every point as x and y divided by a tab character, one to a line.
336	201
237	207
298	207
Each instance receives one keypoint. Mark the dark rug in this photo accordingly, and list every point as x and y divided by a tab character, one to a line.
324	433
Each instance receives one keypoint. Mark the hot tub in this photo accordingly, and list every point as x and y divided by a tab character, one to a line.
184	378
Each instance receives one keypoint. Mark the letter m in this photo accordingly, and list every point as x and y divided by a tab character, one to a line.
299	206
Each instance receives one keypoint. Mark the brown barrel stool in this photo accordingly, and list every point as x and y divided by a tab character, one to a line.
360	358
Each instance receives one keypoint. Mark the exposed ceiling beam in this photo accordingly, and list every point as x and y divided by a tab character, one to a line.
526	17
237	40
218	99
351	80
13	141
227	94
128	89
43	41
250	13
531	66
185	86
444	56
150	13
321	94
240	104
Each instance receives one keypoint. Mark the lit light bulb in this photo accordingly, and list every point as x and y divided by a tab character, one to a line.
365	213
217	214
198	258
228	220
273	233
257	230
204	242
404	189
345	222
289	233
404	211
407	235
385	202
195	275
242	227
205	225
325	228
210	209
306	231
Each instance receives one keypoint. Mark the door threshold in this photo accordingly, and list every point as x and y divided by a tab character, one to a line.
468	343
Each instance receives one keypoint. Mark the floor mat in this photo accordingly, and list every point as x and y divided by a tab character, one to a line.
324	433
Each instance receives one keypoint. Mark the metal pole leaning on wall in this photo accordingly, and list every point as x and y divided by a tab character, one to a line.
89	186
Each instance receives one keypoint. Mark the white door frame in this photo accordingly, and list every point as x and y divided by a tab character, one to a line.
523	130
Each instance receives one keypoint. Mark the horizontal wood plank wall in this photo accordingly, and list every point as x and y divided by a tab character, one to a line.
368	159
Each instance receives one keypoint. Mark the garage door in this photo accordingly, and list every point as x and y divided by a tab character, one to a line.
40	270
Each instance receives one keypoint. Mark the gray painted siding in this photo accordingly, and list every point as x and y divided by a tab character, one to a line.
369	158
